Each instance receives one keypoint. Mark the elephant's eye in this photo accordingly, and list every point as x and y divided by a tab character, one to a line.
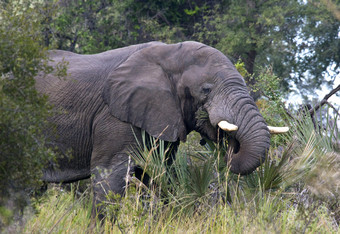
206	90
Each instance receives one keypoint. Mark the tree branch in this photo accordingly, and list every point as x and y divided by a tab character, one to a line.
324	100
333	107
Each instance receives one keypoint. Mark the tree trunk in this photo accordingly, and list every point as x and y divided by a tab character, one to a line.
249	65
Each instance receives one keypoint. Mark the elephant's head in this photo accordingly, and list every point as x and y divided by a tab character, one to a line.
170	90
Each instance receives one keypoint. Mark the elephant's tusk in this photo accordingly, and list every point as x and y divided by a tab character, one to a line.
228	127
278	130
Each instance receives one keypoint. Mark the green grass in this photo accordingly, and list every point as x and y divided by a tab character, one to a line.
61	213
296	190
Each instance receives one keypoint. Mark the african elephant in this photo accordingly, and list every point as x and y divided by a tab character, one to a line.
106	100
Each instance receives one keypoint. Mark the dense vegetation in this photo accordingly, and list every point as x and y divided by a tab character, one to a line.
23	112
276	45
300	41
296	190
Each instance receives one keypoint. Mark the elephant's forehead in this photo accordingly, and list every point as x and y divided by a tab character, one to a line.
211	73
197	75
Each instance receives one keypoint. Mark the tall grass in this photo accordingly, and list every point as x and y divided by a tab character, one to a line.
295	190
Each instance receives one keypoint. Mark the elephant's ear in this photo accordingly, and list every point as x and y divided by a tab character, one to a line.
140	92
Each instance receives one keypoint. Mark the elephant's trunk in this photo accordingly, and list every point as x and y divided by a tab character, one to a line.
249	137
250	143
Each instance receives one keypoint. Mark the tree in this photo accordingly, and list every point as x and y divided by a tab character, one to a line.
23	112
95	26
319	46
294	37
280	34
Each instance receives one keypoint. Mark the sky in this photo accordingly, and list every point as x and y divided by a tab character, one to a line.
334	99
332	74
295	99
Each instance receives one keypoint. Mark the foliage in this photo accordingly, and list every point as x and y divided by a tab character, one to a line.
318	46
272	102
320	154
298	39
308	165
282	34
271	215
185	181
296	190
259	34
69	211
95	26
23	112
242	70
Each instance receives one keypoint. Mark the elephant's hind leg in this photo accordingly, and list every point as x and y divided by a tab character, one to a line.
108	184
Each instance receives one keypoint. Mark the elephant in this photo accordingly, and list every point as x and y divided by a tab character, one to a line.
107	99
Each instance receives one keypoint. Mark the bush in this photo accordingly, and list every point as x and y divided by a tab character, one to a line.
23	112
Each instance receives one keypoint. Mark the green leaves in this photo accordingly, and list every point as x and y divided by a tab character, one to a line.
184	183
23	112
192	12
307	162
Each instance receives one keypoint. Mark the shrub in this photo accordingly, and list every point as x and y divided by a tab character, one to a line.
23	112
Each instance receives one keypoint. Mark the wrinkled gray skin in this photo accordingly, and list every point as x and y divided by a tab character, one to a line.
107	98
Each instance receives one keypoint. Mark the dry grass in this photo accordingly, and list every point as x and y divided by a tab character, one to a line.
294	191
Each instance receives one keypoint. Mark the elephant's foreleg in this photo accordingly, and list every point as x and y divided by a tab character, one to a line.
110	163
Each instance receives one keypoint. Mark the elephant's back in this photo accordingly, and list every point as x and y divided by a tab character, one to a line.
98	63
88	71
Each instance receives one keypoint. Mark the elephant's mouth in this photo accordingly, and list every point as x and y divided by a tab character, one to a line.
233	145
